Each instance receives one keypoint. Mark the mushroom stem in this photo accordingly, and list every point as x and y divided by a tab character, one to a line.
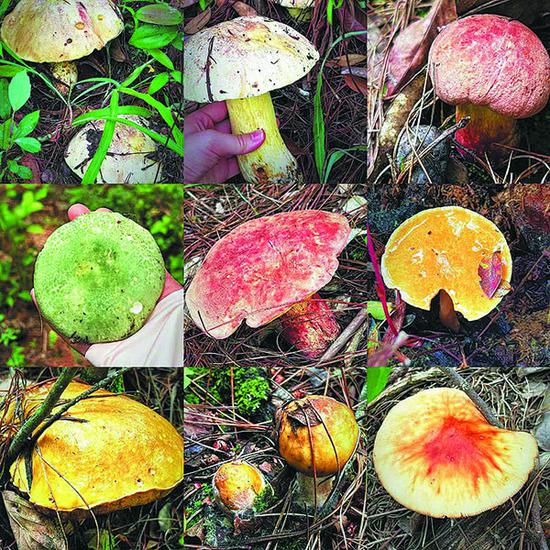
300	14
485	129
447	313
66	72
272	162
313	492
310	326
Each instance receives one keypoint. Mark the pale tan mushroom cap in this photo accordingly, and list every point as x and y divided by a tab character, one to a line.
442	249
49	31
107	453
129	156
300	4
436	454
244	57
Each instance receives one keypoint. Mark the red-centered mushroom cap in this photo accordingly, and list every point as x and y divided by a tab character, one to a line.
493	61
264	266
436	454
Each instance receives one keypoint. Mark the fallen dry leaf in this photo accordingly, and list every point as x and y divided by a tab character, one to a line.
244	10
490	273
198	22
356	83
347	60
410	49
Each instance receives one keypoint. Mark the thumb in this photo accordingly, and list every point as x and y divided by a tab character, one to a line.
229	145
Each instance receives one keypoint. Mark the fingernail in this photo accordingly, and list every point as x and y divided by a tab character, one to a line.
258	135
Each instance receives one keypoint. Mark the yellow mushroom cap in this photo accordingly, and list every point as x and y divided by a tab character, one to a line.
317	429
244	57
436	454
60	30
237	484
108	452
442	249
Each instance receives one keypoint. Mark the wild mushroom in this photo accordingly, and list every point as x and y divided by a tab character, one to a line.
495	70
317	436
60	31
98	278
128	159
300	10
106	453
440	251
271	267
240	62
237	486
436	454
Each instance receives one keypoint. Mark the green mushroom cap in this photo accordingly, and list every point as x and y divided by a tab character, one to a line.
98	278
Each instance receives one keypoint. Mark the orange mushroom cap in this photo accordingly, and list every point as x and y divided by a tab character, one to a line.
264	266
436	454
237	484
320	430
442	249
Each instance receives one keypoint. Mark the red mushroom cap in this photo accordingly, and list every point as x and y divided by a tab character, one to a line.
492	61
264	266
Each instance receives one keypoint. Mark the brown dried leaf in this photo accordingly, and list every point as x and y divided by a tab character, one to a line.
410	49
32	529
305	415
356	83
345	60
490	273
198	22
244	10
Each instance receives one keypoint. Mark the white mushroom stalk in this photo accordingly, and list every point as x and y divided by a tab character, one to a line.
240	62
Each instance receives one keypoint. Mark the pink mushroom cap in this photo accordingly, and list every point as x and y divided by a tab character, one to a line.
263	267
492	61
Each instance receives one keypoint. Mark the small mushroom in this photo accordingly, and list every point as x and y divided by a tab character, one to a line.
130	158
60	31
108	452
436	454
439	251
271	267
317	436
301	10
495	70
236	487
240	62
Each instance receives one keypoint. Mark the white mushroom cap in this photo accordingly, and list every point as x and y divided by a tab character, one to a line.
126	160
49	31
300	4
244	57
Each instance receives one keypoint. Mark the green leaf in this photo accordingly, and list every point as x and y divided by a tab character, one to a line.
158	82
23	172
10	70
148	37
178	77
19	90
101	114
160	14
162	58
5	110
27	125
377	379
29	144
35	228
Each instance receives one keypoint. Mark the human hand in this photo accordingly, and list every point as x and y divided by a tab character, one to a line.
170	284
211	148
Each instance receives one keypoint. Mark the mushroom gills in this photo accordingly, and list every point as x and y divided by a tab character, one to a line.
272	162
486	129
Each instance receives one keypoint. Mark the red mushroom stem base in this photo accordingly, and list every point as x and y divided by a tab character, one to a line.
313	492
310	326
485	130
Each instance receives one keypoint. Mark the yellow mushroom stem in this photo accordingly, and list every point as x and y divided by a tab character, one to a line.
447	313
272	162
66	72
313	492
485	129
301	14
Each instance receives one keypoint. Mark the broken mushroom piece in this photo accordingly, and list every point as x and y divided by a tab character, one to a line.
106	453
272	267
237	485
130	158
441	251
495	70
317	436
240	62
436	454
301	10
60	31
